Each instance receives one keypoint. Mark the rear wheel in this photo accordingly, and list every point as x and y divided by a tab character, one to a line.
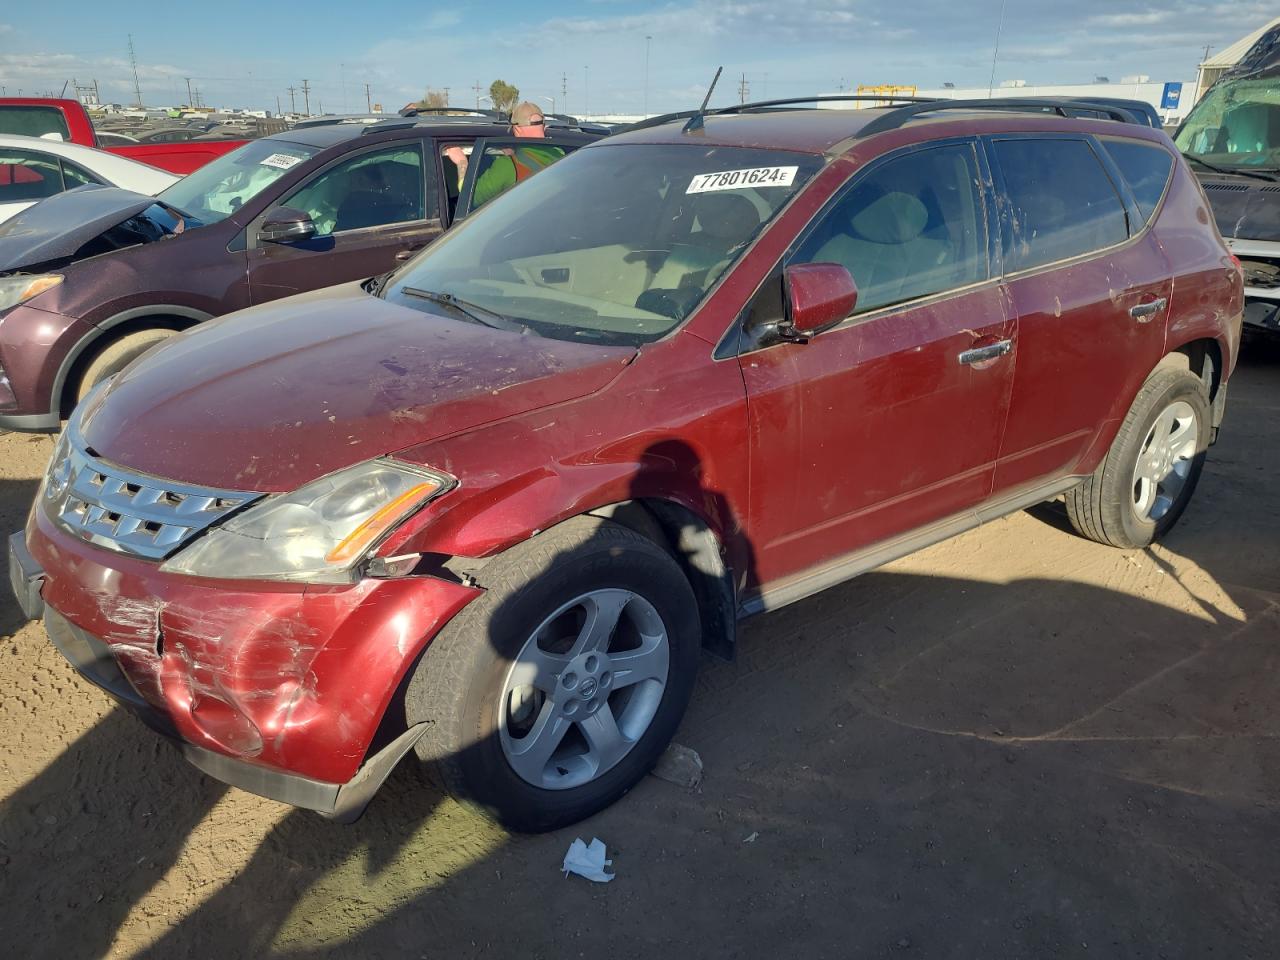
550	696
1150	473
118	354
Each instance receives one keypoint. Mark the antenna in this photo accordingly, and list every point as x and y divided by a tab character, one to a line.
133	62
695	122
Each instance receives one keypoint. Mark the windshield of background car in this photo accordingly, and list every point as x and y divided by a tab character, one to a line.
614	244
223	186
1237	124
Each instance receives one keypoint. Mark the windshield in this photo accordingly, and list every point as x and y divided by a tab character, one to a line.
617	243
222	186
1237	124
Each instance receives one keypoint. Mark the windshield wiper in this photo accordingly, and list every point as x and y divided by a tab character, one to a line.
1256	174
472	311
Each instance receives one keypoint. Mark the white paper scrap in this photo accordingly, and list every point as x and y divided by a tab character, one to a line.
587	861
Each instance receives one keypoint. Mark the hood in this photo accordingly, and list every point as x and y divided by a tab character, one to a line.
272	397
1245	208
58	226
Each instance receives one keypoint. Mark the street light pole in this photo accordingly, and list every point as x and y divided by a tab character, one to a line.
647	40
586	91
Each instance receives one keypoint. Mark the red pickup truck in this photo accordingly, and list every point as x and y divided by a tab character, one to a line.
41	116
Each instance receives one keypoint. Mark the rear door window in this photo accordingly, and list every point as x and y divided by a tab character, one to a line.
912	227
1146	167
495	166
1062	202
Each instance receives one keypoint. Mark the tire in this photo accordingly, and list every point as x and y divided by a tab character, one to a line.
485	721
1121	504
117	355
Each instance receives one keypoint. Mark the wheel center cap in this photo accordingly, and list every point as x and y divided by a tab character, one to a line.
587	689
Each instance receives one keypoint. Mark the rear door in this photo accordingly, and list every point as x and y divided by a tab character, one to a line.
1090	287
27	176
372	209
890	420
497	164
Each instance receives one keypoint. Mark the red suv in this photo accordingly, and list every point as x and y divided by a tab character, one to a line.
492	508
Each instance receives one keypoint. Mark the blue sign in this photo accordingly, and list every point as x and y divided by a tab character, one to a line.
1172	94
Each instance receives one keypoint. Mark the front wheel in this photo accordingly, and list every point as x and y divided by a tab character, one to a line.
1148	476
550	696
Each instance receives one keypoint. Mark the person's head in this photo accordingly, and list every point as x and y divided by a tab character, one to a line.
527	120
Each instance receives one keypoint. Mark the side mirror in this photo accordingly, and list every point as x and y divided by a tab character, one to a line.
819	296
286	225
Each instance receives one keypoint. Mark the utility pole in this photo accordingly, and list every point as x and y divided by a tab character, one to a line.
368	100
476	88
293	106
586	91
278	110
647	40
188	79
564	90
306	96
742	89
446	96
133	61
1207	48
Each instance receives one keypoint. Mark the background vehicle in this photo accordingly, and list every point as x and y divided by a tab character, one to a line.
490	507
1232	139
280	215
68	121
32	169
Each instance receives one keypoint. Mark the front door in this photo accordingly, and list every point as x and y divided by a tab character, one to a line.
892	419
1091	302
371	210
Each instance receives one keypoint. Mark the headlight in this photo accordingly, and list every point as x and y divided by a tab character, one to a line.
16	290
317	533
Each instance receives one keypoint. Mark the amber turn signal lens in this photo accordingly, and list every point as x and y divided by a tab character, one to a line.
363	537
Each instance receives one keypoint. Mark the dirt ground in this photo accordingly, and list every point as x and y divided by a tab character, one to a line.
1014	744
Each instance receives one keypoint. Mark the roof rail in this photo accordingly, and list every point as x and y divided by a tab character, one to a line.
895	118
759	104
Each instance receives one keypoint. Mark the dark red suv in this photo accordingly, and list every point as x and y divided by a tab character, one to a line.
491	509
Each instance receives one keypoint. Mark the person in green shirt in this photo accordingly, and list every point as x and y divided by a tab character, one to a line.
503	171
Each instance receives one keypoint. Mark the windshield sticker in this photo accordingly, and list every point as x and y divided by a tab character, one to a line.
741	179
281	160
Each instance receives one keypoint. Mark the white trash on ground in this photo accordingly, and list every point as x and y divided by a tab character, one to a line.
587	861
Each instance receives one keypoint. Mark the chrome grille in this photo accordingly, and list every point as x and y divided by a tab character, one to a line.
129	512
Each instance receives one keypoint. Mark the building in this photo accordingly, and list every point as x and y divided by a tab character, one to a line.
1228	57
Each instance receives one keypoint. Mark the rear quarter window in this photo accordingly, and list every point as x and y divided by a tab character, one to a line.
1062	200
1146	167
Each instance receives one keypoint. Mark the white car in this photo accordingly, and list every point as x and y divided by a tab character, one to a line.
32	168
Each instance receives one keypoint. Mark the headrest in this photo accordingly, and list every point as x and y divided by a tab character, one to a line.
894	218
726	216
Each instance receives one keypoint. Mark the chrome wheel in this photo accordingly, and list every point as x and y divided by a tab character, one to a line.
583	689
1165	460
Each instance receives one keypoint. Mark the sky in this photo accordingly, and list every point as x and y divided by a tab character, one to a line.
597	56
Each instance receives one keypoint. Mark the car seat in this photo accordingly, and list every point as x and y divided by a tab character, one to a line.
886	251
724	222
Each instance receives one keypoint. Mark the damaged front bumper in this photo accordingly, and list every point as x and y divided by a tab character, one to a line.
177	689
1261	262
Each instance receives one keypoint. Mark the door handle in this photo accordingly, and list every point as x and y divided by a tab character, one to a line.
1143	312
991	351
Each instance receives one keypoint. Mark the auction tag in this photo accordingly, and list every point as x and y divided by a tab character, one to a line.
741	179
284	161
